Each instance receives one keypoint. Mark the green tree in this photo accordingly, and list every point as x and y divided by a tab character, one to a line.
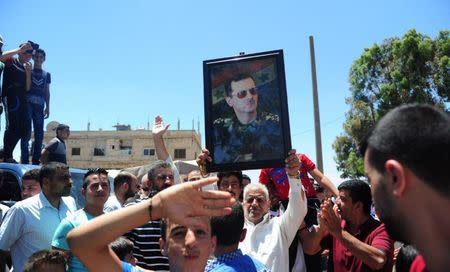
411	69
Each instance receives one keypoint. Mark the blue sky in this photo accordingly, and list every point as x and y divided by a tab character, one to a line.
126	61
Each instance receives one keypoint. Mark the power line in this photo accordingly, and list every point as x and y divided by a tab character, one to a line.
324	124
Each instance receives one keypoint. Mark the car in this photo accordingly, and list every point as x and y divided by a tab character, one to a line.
11	183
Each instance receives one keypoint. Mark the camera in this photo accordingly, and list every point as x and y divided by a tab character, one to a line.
34	45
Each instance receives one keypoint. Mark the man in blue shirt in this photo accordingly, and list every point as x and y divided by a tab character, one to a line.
96	192
229	231
30	224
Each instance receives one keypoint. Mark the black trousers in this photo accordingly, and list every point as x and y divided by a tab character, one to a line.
15	124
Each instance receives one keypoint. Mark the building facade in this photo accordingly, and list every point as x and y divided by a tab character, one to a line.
125	148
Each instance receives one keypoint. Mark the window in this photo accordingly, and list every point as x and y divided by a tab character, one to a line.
100	148
99	152
76	151
180	154
125	144
149	152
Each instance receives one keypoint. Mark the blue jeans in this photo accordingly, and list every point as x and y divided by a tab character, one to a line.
34	113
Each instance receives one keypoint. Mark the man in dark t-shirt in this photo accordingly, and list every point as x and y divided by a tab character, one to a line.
55	150
37	108
13	93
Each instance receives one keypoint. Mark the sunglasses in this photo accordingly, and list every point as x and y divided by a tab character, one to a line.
243	93
30	52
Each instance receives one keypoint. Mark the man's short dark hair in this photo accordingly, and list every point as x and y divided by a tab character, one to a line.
31	174
121	178
237	174
151	174
86	177
46	256
39	51
228	229
418	136
238	77
61	127
359	192
50	169
122	246
92	171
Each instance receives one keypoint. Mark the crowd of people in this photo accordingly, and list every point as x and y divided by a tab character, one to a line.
291	219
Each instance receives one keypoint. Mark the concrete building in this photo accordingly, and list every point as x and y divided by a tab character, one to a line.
124	148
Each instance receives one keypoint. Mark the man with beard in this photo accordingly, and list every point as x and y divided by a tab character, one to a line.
30	224
96	192
357	242
146	237
125	186
406	159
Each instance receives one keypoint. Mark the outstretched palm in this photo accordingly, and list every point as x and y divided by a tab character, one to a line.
159	128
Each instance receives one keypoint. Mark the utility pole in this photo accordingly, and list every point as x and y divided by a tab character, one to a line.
319	159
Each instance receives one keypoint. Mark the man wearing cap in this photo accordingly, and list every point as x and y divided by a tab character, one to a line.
55	150
16	81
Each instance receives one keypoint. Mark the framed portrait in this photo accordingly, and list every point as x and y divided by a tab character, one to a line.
246	111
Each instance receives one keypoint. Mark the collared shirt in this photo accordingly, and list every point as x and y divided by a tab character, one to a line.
235	261
29	226
269	240
371	232
126	267
60	237
3	210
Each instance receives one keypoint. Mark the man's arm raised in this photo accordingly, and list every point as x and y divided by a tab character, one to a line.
297	208
371	256
158	131
180	203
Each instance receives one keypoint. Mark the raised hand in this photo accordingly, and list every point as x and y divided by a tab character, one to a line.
202	159
292	163
183	203
159	128
330	217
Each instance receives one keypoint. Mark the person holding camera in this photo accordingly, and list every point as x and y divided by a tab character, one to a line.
5	55
37	108
16	81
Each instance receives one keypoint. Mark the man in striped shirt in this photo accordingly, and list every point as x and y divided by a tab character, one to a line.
162	174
